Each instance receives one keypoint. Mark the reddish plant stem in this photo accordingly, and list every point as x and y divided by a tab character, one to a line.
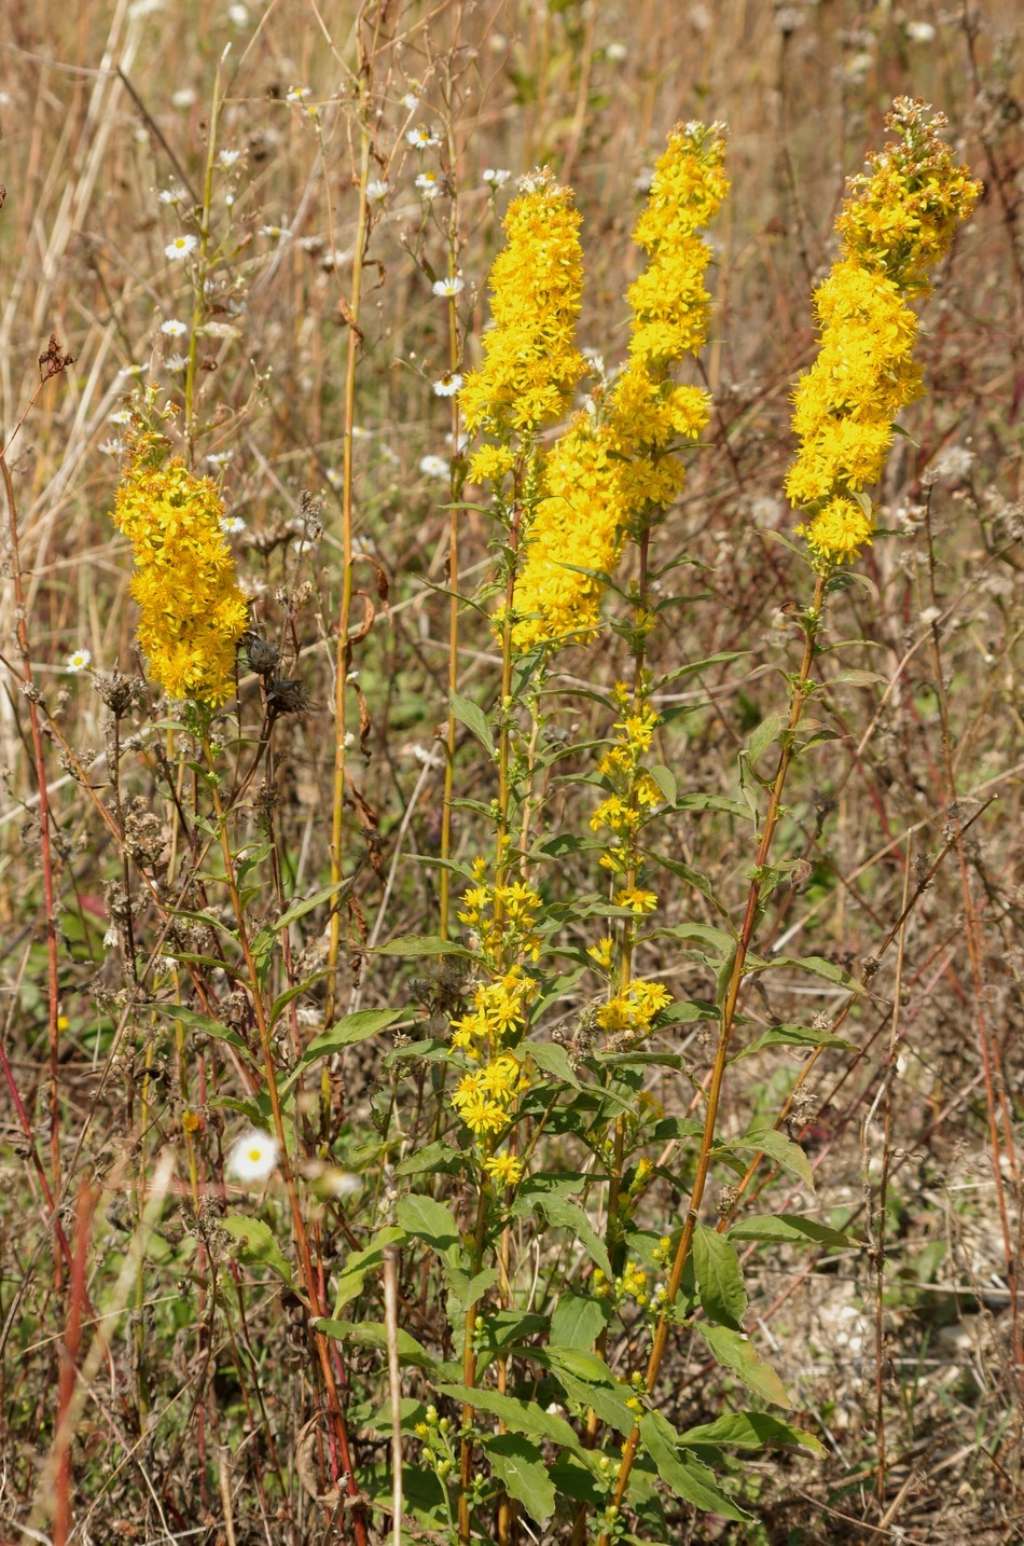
45	848
68	1365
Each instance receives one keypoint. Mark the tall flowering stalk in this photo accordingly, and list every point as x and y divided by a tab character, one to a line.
896	224
529	371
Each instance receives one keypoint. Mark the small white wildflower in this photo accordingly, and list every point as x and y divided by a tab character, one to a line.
336	258
181	247
350	740
229	200
410	101
121	417
228	158
497	176
238	15
353	676
219	458
920	32
132	370
616	52
311	243
280	231
341	1183
422	138
78	660
176	362
184	97
434	467
428	184
112	447
253	1157
448	385
297	93
425	758
173	328
231	525
376	190
172	196
929	616
453	284
643	179
218	330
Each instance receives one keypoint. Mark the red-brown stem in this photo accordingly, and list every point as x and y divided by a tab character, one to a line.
68	1364
46	852
796	705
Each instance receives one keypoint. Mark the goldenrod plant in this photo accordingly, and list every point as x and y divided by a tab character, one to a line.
515	665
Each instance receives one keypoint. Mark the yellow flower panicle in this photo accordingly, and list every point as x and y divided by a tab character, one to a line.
503	917
531	364
611	465
897	222
192	612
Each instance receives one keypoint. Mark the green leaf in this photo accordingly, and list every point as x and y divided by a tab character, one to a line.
554	1060
562	1214
465	1290
412	945
819	967
360	1263
358	1026
374	1334
577	1322
300	909
198	1022
429	1220
792	1036
751	1430
788	1229
688	1477
256	1244
704	933
767	732
282	1001
519	1466
666	782
521	1416
586	1379
719	1279
473	717
779	1148
736	1352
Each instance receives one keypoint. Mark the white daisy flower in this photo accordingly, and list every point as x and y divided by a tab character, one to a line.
183	98
433	466
181	247
297	93
171	195
78	660
280	231
253	1157
428	183
219	458
121	417
231	525
228	158
132	370
448	385
112	447
410	101
422	138
453	284
172	328
176	362
376	190
497	176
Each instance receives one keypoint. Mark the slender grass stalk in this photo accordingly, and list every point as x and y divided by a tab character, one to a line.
343	648
455	481
202	266
800	689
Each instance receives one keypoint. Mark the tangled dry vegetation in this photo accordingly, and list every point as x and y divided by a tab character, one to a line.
360	1055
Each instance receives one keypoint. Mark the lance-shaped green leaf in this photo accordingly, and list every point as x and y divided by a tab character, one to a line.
736	1352
519	1466
719	1279
751	1430
687	1476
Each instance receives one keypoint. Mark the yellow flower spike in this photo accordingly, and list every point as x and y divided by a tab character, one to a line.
531	363
612	464
897	222
191	611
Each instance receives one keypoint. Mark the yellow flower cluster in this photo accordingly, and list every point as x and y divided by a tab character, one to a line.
531	363
192	612
610	465
631	1285
633	1010
897	222
503	916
